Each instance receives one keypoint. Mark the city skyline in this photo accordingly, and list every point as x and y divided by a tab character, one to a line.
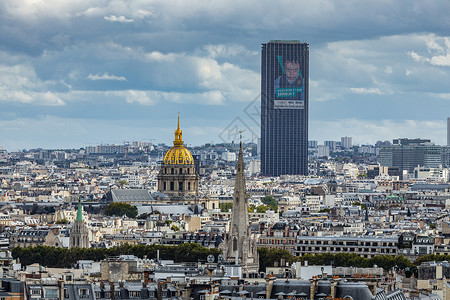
80	73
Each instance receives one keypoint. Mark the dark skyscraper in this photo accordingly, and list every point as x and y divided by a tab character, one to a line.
448	131
284	108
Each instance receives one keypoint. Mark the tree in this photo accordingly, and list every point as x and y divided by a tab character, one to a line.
144	216
268	257
120	209
226	206
270	202
122	183
62	221
261	209
54	257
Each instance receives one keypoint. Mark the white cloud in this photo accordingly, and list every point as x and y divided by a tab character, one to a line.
441	60
19	84
148	97
119	19
437	51
366	91
222	50
416	57
154	97
106	76
160	57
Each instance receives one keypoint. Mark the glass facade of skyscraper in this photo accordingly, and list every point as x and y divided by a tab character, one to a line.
284	108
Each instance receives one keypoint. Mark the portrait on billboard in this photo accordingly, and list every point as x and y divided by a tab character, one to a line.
288	87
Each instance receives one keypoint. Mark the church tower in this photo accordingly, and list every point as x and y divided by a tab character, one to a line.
178	177
79	237
240	245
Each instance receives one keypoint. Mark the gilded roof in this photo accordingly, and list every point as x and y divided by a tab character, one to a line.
178	154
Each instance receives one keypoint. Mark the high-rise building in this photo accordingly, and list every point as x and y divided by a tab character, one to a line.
330	144
323	151
312	144
448	131
346	142
284	108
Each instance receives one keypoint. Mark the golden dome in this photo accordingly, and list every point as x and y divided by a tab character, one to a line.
178	154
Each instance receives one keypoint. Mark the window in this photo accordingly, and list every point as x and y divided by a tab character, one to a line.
172	185
51	293
181	171
172	171
180	186
83	293
189	186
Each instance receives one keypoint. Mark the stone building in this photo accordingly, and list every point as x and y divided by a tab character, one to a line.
79	235
178	176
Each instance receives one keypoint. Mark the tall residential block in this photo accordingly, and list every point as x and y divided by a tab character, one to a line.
284	108
346	142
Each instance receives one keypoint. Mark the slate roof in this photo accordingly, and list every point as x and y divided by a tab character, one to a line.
129	195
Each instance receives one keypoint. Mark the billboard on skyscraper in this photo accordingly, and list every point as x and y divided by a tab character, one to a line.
289	82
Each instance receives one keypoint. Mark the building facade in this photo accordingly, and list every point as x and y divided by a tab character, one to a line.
178	176
407	154
284	108
366	247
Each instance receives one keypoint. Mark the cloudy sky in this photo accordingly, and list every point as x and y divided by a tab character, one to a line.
84	72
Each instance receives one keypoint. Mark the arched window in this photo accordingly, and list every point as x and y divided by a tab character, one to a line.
189	186
235	247
181	170
180	186
172	171
165	186
172	185
188	170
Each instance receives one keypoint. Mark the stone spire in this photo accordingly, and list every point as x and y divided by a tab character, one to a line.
240	246
239	216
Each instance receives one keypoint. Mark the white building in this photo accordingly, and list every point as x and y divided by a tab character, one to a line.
346	142
323	151
313	202
229	156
